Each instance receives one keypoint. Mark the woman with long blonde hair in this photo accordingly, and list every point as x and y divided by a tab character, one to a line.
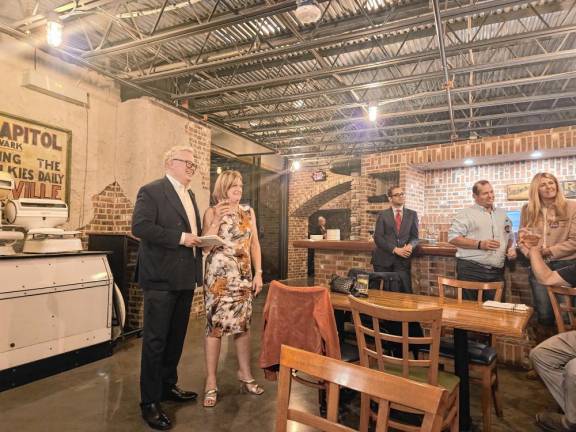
551	216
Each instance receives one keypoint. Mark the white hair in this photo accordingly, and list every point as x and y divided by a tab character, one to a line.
171	154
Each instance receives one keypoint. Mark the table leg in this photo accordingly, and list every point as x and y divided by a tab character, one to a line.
461	369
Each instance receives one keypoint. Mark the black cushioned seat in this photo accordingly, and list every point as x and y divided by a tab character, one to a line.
478	352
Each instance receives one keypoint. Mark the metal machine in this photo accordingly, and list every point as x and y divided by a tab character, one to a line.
40	217
56	301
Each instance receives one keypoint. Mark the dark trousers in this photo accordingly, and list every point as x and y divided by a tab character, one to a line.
400	266
540	299
166	315
472	271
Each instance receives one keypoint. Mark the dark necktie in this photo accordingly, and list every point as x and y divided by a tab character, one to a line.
398	220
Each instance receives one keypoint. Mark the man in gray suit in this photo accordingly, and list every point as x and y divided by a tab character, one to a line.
396	236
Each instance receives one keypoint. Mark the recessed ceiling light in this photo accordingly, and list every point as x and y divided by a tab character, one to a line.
468	162
536	154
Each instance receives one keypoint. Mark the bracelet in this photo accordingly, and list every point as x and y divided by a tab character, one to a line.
479	243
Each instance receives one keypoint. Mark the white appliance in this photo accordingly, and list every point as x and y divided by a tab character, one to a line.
39	217
51	305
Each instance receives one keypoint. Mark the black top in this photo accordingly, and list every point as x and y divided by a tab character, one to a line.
569	274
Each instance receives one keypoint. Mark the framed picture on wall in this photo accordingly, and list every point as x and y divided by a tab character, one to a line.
517	192
569	188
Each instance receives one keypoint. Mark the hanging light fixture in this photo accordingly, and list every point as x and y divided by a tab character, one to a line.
372	111
307	11
53	30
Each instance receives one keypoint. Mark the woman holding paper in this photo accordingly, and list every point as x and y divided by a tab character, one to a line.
228	283
552	217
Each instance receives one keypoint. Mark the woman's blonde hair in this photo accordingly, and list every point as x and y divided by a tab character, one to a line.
534	206
223	183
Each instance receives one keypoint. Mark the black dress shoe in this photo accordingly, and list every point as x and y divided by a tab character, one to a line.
175	393
156	418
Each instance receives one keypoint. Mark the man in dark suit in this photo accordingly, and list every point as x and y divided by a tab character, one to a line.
396	235
167	222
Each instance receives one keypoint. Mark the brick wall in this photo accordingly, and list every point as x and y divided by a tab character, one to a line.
448	190
435	181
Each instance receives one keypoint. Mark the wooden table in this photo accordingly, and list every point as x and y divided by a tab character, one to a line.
462	317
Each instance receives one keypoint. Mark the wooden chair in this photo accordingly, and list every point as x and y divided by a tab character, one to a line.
563	300
385	388
370	345
482	357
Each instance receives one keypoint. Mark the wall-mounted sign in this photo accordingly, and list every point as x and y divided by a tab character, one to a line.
319	176
37	156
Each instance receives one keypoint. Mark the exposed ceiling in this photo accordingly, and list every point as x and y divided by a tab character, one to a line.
499	66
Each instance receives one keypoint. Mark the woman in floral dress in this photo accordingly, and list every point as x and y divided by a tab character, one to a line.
228	283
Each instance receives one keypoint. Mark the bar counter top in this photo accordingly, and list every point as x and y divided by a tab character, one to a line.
438	249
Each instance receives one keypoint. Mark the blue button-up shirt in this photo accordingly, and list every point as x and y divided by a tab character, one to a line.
478	223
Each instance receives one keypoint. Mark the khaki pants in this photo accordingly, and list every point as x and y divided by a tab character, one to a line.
555	361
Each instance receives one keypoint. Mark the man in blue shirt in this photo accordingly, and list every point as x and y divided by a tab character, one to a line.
555	358
483	235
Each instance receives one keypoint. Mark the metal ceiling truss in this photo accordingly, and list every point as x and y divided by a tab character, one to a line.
437	70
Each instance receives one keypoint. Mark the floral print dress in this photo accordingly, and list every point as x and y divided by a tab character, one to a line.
228	277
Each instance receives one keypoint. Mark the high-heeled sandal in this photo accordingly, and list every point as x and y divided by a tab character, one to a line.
250	386
210	398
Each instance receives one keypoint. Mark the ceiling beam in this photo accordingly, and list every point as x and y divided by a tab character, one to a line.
411	113
414	96
364	67
331	40
185	30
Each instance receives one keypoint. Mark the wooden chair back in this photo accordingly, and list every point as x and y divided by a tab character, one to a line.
563	300
460	285
370	339
386	388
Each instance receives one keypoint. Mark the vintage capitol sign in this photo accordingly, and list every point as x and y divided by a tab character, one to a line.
37	156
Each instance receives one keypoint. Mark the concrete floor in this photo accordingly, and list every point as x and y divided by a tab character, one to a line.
104	396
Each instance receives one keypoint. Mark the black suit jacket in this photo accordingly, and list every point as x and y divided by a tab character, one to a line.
159	220
387	238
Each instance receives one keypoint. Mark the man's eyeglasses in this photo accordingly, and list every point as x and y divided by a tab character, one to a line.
189	164
399	194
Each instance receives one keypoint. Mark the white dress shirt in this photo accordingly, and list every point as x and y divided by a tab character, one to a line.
186	200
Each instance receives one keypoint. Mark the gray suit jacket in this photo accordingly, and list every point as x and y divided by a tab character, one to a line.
387	238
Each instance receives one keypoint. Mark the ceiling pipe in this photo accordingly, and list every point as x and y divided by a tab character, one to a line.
448	83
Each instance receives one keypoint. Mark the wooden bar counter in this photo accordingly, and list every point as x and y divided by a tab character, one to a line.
428	262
